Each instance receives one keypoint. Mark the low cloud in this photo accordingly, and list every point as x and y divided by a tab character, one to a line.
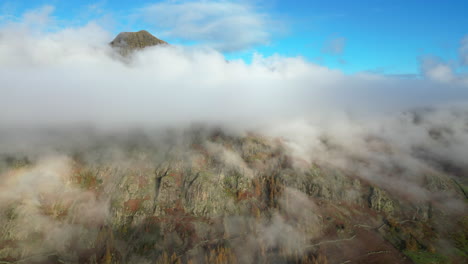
72	76
407	136
40	195
223	25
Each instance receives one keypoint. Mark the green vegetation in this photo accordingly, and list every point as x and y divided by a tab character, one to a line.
192	205
88	180
424	257
461	238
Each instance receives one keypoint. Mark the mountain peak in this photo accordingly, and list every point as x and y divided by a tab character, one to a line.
127	42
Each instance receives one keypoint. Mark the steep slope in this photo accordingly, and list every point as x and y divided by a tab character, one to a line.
206	195
209	197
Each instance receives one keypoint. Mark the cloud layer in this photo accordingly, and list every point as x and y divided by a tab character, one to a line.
409	137
73	76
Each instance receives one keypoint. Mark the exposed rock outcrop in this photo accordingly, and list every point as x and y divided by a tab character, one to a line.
127	42
213	198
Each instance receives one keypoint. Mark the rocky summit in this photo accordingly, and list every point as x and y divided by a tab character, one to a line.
127	42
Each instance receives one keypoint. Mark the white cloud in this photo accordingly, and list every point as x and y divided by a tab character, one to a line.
39	17
224	25
437	70
72	76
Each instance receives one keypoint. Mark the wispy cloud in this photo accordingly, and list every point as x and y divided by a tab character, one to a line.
39	17
335	46
436	69
7	9
464	51
224	25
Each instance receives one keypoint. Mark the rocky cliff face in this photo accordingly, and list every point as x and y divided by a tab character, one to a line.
215	198
126	42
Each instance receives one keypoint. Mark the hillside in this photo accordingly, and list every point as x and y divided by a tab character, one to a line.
394	192
218	198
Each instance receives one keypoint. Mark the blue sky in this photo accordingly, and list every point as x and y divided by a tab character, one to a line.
381	36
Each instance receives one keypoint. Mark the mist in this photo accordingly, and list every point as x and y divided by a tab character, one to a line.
67	88
69	101
72	76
